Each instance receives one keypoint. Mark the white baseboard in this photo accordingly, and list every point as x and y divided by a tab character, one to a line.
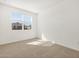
73	48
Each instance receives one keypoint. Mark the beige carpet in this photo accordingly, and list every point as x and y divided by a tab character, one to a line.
23	50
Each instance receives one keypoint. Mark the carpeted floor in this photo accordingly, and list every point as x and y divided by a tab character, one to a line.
23	50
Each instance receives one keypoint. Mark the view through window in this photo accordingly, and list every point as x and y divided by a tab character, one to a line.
21	21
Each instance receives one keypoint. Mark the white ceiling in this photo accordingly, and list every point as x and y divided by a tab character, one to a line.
32	5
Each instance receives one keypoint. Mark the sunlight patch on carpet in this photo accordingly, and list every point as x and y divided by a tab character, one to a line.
41	43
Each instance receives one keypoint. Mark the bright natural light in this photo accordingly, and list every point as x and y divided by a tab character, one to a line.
21	21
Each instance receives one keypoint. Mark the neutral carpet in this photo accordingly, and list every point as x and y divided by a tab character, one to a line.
23	50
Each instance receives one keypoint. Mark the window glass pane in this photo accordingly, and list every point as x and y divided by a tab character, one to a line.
16	21
27	22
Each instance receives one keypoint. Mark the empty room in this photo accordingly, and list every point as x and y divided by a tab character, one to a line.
39	28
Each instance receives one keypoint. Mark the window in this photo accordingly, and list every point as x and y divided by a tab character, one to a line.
21	21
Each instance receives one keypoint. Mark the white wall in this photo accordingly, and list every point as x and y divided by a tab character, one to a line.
61	24
7	35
